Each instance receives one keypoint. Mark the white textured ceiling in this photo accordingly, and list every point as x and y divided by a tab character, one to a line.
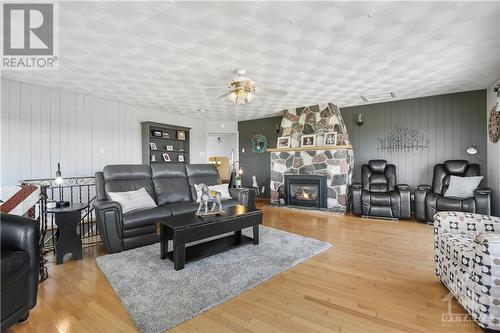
163	54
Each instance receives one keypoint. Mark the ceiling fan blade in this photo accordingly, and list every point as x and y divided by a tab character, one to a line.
215	87
271	91
224	95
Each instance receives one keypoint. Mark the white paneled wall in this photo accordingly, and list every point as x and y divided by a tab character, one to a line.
41	126
493	155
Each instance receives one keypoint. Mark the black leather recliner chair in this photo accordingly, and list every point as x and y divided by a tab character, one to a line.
430	199
378	195
20	264
172	188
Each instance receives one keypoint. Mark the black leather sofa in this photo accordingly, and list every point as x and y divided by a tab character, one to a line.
20	264
170	185
378	195
430	199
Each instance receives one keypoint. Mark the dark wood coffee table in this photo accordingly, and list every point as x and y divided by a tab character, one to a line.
187	228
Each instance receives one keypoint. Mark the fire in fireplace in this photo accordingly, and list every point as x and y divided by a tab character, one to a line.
306	191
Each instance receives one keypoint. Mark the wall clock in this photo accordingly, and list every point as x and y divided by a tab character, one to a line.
494	125
259	144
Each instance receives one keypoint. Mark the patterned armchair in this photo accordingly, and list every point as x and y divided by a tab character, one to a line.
467	259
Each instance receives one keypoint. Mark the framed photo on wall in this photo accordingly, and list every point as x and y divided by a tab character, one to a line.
330	139
283	142
166	157
308	140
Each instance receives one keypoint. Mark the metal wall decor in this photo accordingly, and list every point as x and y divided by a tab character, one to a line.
259	144
403	139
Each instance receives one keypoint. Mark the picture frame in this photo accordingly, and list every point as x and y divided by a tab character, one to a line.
308	140
152	145
169	148
330	139
156	133
283	142
181	158
166	157
181	135
165	135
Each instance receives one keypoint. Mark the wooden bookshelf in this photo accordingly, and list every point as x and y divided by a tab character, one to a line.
169	137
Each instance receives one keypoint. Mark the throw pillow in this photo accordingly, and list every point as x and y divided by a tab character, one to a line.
222	188
133	200
462	187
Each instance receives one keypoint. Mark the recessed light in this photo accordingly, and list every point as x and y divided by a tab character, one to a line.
379	96
202	110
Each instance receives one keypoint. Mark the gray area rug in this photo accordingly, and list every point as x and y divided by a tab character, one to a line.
158	298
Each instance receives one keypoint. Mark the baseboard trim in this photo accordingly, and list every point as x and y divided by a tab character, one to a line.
392	219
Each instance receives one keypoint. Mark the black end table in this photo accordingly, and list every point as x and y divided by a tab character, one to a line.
68	238
187	228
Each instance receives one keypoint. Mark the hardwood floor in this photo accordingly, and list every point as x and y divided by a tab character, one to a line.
377	277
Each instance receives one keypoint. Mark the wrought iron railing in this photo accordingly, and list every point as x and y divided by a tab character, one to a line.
74	190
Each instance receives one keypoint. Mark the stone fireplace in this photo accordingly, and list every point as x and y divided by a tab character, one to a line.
334	164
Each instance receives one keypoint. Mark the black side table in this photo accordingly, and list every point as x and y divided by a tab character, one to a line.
68	239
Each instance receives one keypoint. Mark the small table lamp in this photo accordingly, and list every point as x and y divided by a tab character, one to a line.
236	177
59	181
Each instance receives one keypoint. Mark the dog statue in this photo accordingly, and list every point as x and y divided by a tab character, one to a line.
209	197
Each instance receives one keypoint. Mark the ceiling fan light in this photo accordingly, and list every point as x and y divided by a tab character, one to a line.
232	97
241	97
250	97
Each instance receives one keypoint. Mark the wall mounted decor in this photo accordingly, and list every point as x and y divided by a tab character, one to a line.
494	125
259	144
403	139
359	119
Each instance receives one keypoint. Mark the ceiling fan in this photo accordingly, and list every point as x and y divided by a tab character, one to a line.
242	90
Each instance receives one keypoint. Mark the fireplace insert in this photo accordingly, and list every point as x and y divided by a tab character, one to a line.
306	191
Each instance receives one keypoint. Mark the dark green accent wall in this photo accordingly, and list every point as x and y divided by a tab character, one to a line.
254	164
451	121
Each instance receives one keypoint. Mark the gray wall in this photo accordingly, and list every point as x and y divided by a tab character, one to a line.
493	155
253	164
451	121
41	126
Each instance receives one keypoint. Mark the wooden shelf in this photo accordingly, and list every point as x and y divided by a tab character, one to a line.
180	147
312	148
162	138
168	151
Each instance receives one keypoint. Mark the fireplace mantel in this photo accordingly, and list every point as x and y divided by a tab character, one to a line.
311	148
